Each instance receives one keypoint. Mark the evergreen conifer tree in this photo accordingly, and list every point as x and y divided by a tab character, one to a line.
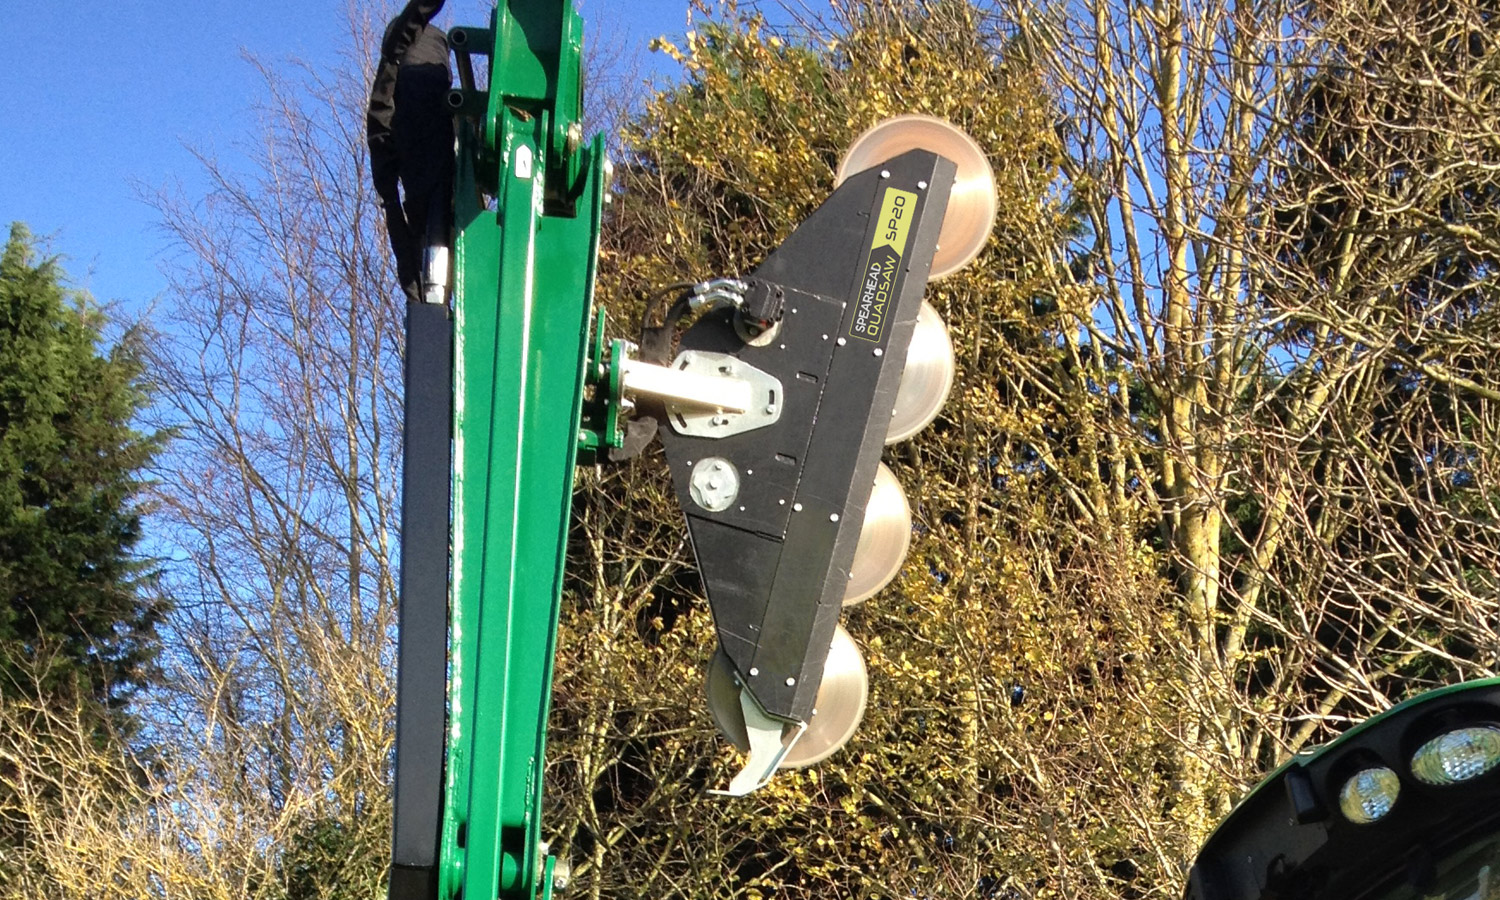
75	620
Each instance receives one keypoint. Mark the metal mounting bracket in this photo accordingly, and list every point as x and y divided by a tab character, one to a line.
765	397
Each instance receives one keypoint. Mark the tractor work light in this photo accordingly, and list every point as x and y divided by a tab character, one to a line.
1372	814
1458	755
1369	794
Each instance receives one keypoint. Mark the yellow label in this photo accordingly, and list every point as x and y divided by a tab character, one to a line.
883	265
895	220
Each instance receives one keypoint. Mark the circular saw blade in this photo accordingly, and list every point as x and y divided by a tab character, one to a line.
971	204
836	713
884	538
926	379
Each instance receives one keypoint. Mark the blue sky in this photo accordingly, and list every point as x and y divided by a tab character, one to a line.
102	98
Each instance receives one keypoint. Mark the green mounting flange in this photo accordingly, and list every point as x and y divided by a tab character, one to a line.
601	428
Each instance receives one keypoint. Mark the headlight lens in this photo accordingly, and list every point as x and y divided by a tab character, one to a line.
1457	756
1369	794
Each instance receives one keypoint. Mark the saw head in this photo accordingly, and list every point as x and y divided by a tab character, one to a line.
884	539
971	204
790	513
840	706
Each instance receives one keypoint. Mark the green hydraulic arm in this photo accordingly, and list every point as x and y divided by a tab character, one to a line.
526	213
522	304
524	275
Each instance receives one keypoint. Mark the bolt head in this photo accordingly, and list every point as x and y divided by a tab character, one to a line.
562	874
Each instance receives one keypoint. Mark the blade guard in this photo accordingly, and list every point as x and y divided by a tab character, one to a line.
775	558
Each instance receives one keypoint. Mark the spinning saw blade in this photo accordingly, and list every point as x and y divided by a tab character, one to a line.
884	539
971	205
927	379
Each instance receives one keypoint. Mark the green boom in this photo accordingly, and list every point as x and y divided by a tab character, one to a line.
523	293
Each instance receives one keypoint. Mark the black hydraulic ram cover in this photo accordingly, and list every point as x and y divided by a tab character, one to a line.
422	652
775	563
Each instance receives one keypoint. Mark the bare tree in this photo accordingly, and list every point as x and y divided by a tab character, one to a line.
281	368
1381	234
1280	198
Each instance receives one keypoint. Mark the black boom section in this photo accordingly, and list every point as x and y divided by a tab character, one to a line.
422	650
775	563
